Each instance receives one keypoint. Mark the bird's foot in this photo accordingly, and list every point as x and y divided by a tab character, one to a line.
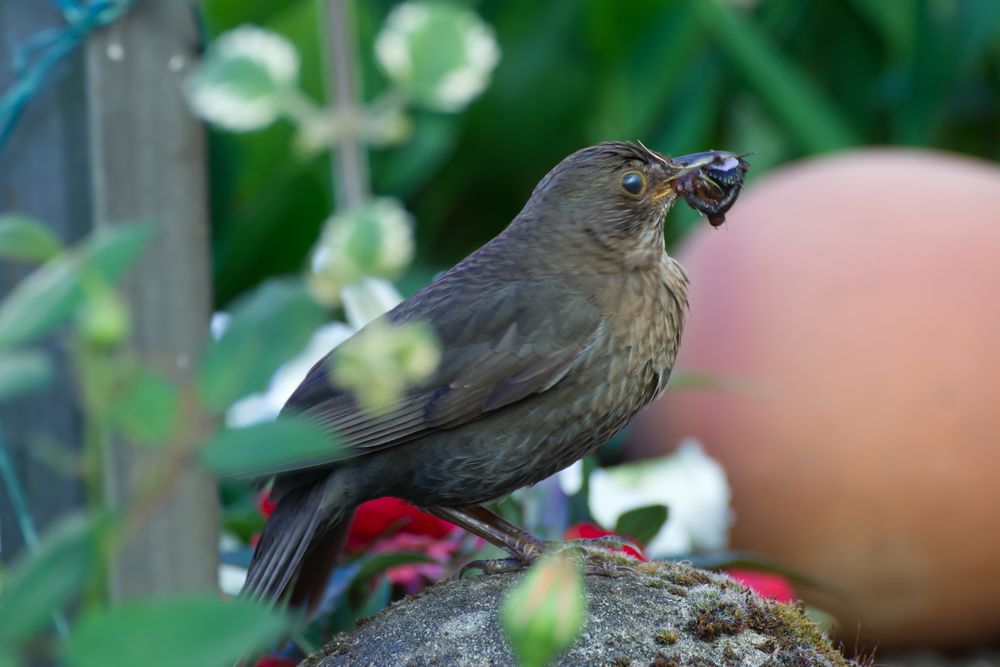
606	542
600	556
603	556
493	566
523	549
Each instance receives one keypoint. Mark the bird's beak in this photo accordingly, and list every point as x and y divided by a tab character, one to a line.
664	189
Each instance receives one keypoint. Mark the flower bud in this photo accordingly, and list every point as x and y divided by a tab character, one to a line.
545	612
244	80
375	239
440	54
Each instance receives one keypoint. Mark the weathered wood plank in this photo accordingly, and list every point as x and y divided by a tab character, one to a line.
148	157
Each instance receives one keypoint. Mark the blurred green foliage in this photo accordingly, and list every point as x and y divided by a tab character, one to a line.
783	78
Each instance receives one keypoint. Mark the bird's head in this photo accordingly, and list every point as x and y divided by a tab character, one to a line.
619	192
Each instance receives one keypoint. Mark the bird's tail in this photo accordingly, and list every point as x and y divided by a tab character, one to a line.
291	550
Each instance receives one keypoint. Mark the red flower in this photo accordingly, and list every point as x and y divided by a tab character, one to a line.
390	524
264	503
411	577
276	661
383	517
765	584
586	531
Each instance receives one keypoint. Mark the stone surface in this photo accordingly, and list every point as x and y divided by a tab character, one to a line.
665	614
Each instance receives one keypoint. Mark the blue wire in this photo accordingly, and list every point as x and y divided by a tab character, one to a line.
53	44
24	522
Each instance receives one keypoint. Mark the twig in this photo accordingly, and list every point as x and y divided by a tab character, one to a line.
351	183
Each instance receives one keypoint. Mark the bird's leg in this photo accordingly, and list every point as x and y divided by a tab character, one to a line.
599	555
523	547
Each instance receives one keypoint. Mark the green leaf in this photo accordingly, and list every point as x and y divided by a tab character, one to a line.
41	583
267	328
102	319
642	523
27	239
194	630
896	21
647	69
48	297
544	613
8	658
270	447
791	95
146	408
22	371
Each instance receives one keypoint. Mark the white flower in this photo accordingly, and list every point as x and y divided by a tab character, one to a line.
440	54
392	43
244	79
367	299
263	47
231	577
219	323
571	478
266	406
691	484
363	302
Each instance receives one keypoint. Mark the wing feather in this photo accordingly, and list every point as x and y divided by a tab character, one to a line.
498	350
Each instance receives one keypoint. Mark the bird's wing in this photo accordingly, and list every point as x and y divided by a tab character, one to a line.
497	349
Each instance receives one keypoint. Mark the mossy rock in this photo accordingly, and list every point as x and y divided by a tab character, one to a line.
666	614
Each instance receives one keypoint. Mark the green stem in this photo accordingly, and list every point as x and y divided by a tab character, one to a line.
351	179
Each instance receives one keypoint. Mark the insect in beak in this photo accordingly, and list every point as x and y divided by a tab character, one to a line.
710	182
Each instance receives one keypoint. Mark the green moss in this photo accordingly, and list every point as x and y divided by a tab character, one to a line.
673	589
717	613
666	637
799	640
793	639
685	575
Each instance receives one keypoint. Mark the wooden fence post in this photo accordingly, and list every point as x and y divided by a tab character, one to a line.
148	162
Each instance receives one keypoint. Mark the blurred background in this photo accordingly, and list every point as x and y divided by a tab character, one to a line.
785	79
840	359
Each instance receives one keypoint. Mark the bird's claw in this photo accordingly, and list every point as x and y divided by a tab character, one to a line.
493	566
606	542
600	556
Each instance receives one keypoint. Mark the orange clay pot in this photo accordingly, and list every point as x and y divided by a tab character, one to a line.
860	295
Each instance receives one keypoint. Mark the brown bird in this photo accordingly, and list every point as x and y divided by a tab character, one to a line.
553	335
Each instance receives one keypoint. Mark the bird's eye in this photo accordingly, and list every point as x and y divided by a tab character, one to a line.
633	182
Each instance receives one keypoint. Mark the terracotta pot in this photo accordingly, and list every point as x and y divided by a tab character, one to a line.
860	294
